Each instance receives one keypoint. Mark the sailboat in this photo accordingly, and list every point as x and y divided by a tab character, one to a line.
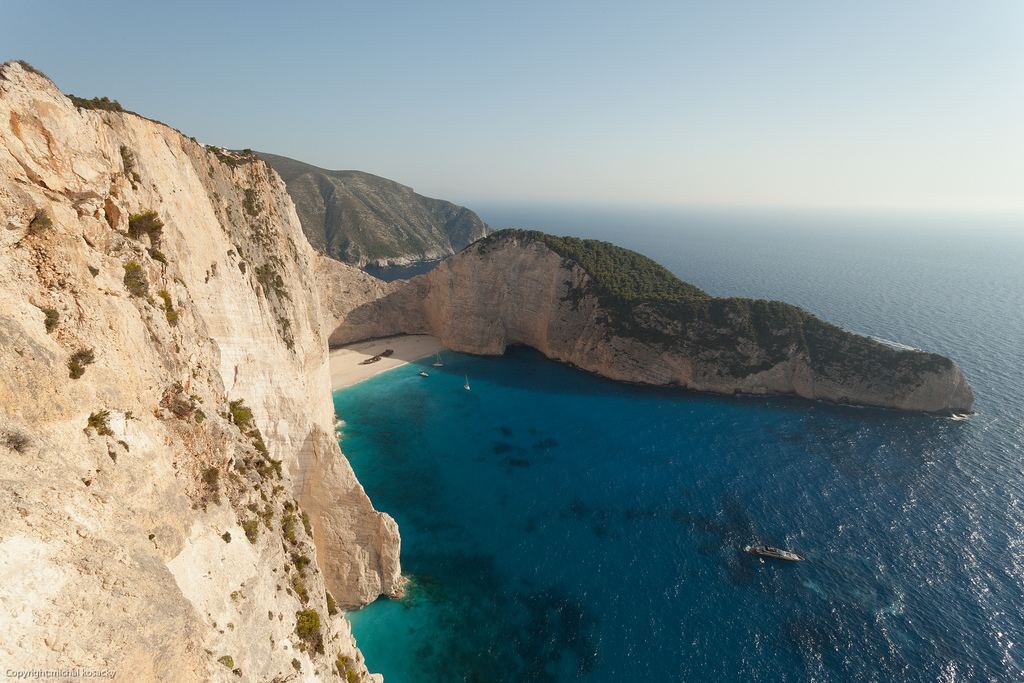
466	385
438	363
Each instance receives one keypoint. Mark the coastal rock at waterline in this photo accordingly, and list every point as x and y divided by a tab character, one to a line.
364	561
172	494
517	287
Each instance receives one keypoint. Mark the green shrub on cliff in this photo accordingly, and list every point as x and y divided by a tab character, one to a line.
128	160
145	223
78	361
100	421
257	441
301	562
308	624
240	414
211	477
288	529
300	589
169	312
271	281
134	280
52	318
250	204
40	222
332	606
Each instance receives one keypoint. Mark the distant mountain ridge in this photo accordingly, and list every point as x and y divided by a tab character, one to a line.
363	219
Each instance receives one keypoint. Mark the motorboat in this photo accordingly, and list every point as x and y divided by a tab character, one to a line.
774	553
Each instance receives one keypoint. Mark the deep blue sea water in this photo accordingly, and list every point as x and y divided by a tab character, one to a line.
557	526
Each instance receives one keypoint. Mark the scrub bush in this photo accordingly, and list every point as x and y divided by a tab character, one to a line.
308	624
52	318
100	422
134	280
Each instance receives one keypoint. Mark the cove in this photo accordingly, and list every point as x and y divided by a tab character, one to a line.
559	526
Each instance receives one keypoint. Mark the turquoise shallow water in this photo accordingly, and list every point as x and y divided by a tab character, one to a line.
558	526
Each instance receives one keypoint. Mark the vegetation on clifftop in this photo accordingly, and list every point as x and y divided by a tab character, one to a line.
645	301
616	272
103	103
28	67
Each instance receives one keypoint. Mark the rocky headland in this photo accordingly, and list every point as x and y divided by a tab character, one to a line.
175	505
363	219
621	315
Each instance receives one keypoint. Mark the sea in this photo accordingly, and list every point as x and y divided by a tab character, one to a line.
558	526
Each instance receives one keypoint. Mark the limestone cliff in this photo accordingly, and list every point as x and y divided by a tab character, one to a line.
363	219
514	288
173	495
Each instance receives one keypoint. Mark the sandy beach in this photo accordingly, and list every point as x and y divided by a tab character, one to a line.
345	361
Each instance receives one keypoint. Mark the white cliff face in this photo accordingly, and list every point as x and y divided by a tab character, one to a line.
113	547
507	290
345	288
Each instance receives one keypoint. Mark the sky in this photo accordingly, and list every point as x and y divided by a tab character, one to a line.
744	104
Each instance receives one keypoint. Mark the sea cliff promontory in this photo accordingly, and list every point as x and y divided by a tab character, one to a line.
619	314
174	505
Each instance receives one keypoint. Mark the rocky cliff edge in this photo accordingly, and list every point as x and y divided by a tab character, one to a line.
174	501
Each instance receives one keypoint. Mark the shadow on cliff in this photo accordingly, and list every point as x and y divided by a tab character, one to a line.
399	312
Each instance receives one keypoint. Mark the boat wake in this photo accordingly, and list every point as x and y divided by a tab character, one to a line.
892	344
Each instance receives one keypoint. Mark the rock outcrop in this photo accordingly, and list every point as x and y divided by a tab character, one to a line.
363	219
514	288
173	495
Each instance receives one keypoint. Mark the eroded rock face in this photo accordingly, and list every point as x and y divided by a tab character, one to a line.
119	549
506	290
